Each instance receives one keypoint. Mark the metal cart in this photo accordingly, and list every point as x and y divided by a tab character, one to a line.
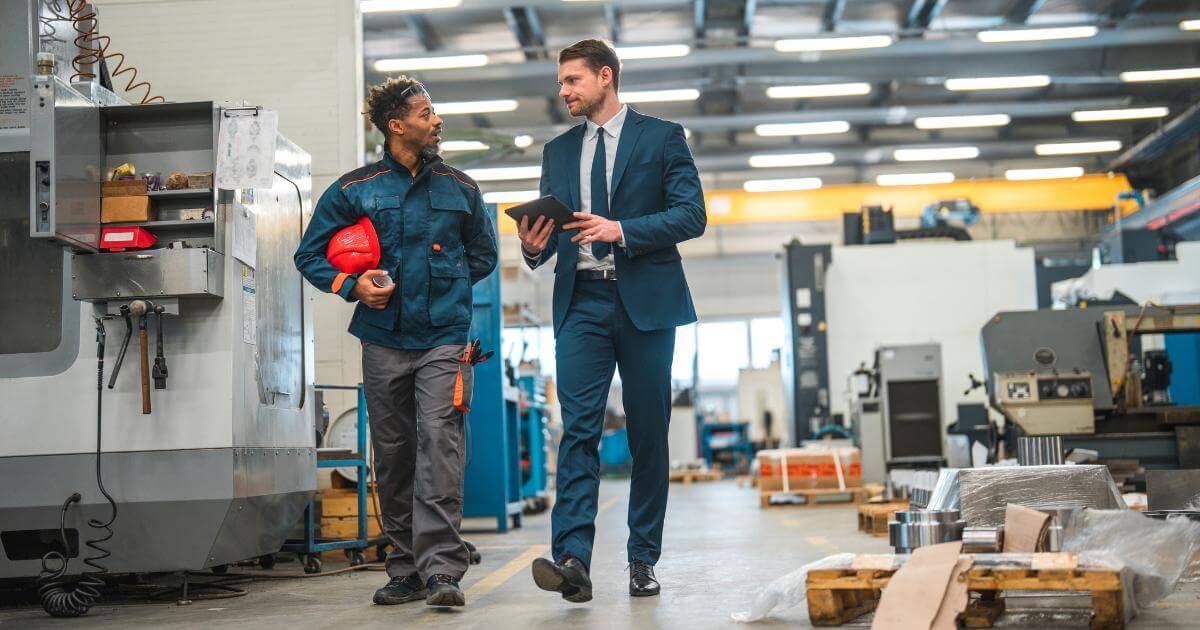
310	547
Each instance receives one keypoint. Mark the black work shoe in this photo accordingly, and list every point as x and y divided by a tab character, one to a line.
444	591
568	577
641	580
400	590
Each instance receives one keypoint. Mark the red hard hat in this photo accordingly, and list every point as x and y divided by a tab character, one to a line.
355	248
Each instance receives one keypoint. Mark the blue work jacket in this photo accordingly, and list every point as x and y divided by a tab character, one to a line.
436	240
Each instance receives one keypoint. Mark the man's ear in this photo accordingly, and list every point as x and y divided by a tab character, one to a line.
395	126
606	75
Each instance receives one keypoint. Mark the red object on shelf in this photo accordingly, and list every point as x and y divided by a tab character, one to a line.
119	239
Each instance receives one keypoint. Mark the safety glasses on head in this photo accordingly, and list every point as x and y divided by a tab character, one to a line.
416	89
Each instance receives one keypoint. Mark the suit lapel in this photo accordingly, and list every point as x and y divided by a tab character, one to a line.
574	148
629	137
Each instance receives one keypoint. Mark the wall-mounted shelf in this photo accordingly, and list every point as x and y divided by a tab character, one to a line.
181	193
164	225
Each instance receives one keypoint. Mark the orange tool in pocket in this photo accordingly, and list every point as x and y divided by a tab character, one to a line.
471	357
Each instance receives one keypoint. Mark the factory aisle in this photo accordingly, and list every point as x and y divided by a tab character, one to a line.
719	548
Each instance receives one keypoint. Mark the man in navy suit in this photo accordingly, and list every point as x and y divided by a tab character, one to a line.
619	294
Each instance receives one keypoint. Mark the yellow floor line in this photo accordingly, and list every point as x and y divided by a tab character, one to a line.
607	504
494	579
819	541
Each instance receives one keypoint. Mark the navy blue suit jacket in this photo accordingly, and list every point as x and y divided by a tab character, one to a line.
656	195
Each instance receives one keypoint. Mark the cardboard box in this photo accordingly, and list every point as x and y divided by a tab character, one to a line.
127	209
809	468
123	188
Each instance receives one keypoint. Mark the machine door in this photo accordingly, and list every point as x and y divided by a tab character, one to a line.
916	419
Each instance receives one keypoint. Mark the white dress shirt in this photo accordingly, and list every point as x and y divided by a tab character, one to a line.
612	131
612	135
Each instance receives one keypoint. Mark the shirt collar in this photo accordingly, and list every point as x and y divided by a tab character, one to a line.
613	126
391	163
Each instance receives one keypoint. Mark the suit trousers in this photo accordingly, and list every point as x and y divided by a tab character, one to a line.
597	337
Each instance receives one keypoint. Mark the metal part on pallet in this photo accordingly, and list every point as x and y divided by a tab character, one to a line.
918	498
983	539
911	529
1045	450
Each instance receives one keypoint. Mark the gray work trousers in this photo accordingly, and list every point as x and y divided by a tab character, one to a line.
417	435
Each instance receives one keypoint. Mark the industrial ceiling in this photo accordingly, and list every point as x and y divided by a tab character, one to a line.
813	92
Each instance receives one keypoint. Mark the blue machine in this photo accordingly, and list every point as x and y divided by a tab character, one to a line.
943	213
534	439
726	437
493	477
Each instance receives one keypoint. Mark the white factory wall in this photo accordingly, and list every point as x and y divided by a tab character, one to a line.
919	292
301	58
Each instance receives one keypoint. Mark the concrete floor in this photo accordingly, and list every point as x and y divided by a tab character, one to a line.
719	548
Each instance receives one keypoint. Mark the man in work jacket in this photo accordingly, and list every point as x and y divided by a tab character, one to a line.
435	240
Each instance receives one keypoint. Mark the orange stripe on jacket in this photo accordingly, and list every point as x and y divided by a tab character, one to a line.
371	176
451	174
339	281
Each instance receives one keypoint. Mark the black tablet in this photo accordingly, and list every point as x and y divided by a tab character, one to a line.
548	207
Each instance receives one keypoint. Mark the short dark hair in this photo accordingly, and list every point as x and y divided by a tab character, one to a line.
390	100
597	53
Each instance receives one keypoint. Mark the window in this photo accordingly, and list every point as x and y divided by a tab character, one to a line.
723	350
766	337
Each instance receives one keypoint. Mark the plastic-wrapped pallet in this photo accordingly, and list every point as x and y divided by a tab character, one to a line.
984	493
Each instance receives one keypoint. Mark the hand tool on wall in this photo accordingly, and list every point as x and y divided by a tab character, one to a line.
141	308
112	379
160	361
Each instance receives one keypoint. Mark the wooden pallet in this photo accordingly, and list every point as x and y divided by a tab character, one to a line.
838	596
812	497
873	517
692	476
749	481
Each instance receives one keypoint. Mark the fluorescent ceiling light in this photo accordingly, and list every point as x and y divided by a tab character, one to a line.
791	159
821	44
1036	34
803	129
660	96
505	173
942	153
914	179
818	91
1101	115
1074	148
1023	174
475	107
511	196
998	83
1190	25
463	145
652	52
1173	74
381	6
409	64
778	185
523	141
961	122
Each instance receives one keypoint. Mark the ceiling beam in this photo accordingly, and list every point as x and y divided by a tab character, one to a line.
832	14
612	16
747	20
1120	9
1046	109
921	13
421	27
699	8
527	28
1020	11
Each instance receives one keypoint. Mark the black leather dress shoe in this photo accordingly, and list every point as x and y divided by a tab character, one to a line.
400	590
641	580
569	577
444	591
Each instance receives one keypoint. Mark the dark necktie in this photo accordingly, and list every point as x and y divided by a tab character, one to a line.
600	192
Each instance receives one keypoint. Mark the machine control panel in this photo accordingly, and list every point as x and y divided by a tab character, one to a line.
1048	403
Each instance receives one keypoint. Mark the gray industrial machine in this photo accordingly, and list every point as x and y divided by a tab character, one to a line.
1077	373
897	421
805	356
217	462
